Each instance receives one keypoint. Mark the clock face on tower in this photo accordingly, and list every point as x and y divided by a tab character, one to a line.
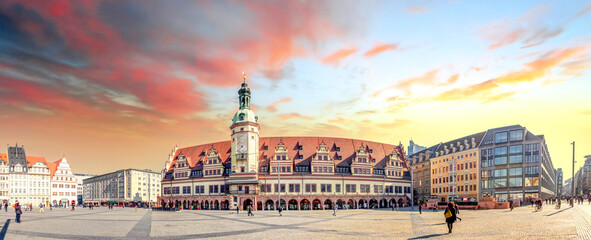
242	144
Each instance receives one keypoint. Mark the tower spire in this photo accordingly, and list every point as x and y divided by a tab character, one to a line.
243	77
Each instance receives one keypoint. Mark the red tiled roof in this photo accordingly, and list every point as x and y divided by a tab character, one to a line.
32	160
53	167
348	148
4	157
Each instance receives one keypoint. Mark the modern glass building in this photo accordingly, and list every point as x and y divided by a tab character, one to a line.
515	164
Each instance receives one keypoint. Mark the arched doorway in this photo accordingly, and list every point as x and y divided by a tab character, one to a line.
373	203
340	203
225	205
361	204
269	205
305	204
293	205
259	205
316	204
206	207
246	203
185	204
400	202
383	203
327	204
351	204
216	205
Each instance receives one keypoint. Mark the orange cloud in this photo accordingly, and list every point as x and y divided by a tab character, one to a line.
532	71
339	55
453	79
419	10
338	120
541	67
425	79
576	68
273	106
380	49
294	115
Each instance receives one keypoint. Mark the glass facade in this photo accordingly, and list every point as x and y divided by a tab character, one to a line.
501	137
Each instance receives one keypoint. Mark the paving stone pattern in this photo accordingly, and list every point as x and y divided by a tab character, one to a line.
126	223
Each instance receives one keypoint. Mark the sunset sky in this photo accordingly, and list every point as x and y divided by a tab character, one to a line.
117	84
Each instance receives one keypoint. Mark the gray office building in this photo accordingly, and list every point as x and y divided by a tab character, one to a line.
516	164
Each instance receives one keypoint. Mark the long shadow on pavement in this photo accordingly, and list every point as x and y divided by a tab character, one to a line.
428	236
557	212
4	229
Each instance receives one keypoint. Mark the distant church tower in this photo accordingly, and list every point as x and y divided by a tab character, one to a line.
245	134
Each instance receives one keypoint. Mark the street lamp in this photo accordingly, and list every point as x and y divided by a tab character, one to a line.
573	177
278	185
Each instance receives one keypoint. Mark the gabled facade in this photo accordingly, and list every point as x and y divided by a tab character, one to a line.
64	188
308	172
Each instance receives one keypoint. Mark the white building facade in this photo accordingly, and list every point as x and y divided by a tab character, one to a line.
64	186
3	179
123	186
28	178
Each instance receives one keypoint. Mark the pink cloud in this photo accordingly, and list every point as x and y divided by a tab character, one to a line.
380	48
273	106
338	56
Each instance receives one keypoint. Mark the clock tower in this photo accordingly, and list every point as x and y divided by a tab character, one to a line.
245	135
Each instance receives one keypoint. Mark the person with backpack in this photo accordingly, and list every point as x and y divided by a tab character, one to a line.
18	211
450	215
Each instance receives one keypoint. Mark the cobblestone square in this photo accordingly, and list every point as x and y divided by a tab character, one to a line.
126	223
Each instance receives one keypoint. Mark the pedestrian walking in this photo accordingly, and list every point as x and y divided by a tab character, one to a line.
280	209
250	211
420	208
457	211
237	210
334	213
511	204
450	215
41	210
6	207
18	211
72	207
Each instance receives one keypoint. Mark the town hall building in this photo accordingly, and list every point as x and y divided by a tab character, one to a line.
296	173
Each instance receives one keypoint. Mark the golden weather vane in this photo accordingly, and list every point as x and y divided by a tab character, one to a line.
244	77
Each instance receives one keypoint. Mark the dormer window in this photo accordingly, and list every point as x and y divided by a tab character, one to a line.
325	157
301	156
241	116
370	150
266	147
301	147
338	150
